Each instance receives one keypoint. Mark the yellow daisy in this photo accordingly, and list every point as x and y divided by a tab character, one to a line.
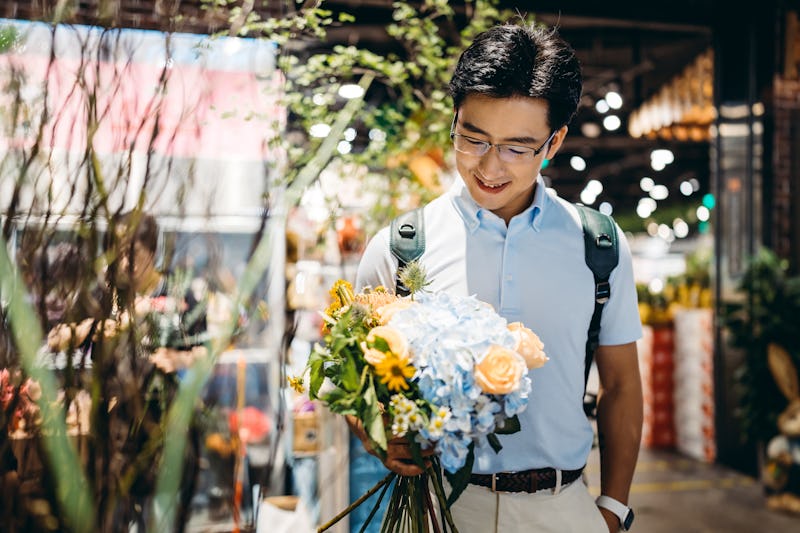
296	383
395	371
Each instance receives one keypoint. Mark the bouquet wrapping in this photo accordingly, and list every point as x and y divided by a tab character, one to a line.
444	372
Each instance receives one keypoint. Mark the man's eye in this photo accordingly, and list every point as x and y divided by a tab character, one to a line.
516	150
474	142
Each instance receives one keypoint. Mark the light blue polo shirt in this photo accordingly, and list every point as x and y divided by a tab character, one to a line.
533	271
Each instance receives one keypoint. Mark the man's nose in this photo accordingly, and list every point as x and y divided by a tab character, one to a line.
491	164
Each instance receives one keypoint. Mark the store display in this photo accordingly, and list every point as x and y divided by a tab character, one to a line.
306	437
656	367
693	377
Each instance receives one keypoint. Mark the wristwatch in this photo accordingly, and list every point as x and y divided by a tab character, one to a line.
622	511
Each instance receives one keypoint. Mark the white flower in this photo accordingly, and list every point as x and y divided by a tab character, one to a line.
400	425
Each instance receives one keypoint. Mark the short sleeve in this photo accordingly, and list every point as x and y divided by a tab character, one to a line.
377	266
620	323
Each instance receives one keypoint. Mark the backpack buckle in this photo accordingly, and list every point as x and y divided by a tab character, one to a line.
602	292
407	231
604	241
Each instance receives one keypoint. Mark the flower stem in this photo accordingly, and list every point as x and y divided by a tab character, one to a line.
436	480
434	521
374	509
330	523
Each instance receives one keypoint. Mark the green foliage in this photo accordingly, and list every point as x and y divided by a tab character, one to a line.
353	390
9	37
138	456
409	109
767	314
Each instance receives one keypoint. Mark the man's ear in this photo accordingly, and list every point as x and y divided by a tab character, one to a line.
557	141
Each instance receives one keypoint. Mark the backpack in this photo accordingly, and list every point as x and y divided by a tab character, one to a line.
407	244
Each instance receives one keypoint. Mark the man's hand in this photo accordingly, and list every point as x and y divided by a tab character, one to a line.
398	454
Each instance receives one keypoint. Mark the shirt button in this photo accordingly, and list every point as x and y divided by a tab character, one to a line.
509	277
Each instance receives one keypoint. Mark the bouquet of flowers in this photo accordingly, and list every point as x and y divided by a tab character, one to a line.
442	371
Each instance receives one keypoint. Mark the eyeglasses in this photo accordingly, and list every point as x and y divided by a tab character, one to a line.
508	153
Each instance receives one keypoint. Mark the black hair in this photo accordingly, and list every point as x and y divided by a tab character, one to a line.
145	231
513	60
65	264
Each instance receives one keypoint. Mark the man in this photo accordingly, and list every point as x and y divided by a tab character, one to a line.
500	234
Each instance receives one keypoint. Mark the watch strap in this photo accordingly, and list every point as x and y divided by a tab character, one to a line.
615	506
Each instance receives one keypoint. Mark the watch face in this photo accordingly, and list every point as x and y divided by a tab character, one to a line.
628	522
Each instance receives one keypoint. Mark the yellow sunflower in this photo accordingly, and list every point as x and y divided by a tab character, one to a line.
395	371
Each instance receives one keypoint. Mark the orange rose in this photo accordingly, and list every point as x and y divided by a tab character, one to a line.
397	343
386	312
500	371
373	356
529	345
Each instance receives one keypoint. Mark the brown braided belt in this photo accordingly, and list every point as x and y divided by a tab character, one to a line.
525	481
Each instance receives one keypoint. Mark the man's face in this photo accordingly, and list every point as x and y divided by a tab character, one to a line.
505	188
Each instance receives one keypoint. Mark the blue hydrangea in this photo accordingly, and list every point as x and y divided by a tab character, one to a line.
448	335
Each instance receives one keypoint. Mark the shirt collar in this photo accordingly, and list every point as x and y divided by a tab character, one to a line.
539	201
472	213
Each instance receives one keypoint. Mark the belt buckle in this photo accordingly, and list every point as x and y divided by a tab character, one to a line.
494	485
533	483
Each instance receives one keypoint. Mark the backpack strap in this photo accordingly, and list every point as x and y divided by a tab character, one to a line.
602	255
407	243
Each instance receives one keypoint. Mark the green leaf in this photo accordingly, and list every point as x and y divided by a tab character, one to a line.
510	426
380	344
460	479
373	419
416	450
316	376
351	378
494	442
342	402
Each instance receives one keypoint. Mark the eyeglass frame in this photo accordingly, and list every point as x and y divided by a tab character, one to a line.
488	145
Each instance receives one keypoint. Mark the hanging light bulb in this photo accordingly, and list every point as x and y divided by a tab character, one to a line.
613	99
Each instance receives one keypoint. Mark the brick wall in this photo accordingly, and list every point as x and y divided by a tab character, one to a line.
786	147
785	158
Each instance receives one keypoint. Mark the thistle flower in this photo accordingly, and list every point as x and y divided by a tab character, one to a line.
414	277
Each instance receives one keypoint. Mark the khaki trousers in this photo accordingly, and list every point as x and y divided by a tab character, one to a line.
571	510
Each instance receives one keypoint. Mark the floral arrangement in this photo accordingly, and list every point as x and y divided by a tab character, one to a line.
442	371
20	411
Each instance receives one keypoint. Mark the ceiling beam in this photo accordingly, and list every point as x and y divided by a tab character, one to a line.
582	22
